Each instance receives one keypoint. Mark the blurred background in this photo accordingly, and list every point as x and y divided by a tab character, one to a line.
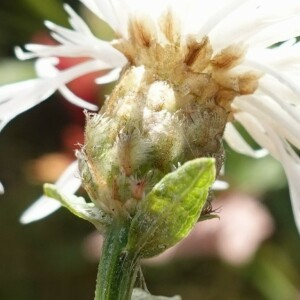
251	252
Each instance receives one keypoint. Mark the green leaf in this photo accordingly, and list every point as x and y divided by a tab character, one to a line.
139	294
79	207
171	209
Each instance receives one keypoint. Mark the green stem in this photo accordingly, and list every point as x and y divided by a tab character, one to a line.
117	268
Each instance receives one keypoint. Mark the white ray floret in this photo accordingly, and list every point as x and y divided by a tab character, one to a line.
19	97
110	76
220	185
69	183
236	141
1	189
267	137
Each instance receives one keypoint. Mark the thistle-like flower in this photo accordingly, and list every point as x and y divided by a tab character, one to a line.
186	71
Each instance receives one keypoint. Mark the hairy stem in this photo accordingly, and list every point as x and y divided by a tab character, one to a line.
117	268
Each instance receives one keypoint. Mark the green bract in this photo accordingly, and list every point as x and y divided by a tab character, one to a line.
79	207
170	210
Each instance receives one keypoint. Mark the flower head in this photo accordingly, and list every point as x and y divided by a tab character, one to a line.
187	72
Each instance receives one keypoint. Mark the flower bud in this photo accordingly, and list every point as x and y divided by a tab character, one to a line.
147	126
171	209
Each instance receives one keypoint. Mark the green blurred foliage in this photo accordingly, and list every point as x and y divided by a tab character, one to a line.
44	260
20	19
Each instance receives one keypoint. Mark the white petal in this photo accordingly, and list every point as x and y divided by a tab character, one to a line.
114	13
69	182
280	76
74	99
71	73
105	12
117	13
275	33
264	108
92	6
238	143
257	131
110	76
141	294
40	209
87	50
220	185
75	44
219	14
45	67
251	18
108	13
267	137
284	58
22	55
1	189
292	170
19	97
77	22
6	91
283	96
88	43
